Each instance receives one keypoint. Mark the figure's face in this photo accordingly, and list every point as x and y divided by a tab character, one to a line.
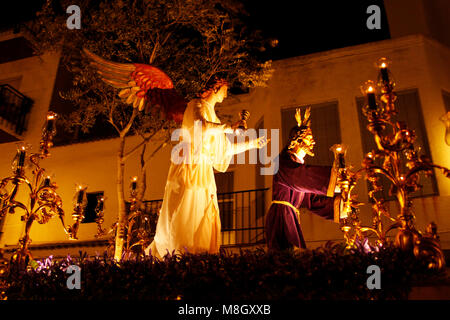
299	156
222	93
308	144
305	147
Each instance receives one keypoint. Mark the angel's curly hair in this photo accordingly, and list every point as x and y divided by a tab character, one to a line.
213	86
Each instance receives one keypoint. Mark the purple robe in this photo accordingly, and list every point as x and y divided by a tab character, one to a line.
301	185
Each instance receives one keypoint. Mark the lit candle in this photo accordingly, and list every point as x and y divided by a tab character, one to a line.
368	89
384	72
22	154
50	122
341	159
47	182
100	204
133	183
371	98
383	64
339	151
80	195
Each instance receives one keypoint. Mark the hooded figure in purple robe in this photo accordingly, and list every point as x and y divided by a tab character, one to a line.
298	185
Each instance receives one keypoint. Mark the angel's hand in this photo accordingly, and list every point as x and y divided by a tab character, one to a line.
261	142
235	125
227	129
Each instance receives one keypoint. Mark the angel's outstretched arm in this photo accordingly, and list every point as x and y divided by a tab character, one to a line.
247	145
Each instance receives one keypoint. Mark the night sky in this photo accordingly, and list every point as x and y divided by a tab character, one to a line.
300	26
303	27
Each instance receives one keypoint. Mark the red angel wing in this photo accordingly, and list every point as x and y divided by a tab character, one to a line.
142	85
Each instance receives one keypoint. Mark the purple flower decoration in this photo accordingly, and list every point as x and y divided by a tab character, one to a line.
366	247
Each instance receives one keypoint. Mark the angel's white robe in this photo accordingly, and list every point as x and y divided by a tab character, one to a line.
189	217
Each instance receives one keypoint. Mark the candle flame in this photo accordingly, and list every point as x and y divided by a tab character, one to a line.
338	149
383	65
50	117
370	89
134	178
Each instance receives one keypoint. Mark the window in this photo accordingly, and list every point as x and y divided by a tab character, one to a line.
325	128
89	212
225	186
15	49
14	109
409	111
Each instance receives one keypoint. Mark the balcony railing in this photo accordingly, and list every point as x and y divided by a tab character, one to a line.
14	108
241	214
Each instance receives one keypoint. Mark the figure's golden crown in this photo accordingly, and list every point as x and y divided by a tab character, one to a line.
303	129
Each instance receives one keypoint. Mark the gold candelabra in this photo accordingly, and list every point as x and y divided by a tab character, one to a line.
80	202
99	215
138	227
138	233
79	208
395	158
44	201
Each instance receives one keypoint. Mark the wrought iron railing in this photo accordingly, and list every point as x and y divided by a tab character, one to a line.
14	108
241	214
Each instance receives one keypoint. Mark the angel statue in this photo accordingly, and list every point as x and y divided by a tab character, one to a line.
189	217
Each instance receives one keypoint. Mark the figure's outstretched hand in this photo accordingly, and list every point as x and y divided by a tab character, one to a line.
235	125
261	142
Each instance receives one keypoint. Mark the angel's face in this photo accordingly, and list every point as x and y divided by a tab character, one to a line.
222	93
